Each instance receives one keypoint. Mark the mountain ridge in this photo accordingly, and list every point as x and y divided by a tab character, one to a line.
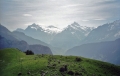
105	32
106	51
52	38
8	40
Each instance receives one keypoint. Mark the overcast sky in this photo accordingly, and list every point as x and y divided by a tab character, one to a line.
21	13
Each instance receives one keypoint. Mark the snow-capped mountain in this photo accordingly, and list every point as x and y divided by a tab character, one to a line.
35	27
38	32
106	32
52	29
70	36
76	27
47	29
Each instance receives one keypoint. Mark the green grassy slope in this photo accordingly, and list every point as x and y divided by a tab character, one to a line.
14	62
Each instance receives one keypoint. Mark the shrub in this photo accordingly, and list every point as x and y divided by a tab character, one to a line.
78	59
29	52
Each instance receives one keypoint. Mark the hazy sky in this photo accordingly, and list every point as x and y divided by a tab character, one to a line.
21	13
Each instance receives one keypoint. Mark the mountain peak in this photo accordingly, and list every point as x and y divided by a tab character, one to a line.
75	24
34	26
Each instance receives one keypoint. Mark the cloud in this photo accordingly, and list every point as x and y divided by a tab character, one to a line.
99	19
72	5
85	20
58	12
27	15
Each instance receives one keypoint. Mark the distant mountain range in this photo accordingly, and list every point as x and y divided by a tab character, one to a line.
106	51
10	40
65	39
73	35
97	43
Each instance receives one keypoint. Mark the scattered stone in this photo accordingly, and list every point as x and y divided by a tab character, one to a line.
70	73
19	74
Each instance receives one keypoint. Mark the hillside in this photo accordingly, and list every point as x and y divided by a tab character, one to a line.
9	40
23	46
106	51
15	63
4	32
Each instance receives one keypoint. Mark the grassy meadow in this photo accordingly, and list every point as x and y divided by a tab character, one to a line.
13	62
